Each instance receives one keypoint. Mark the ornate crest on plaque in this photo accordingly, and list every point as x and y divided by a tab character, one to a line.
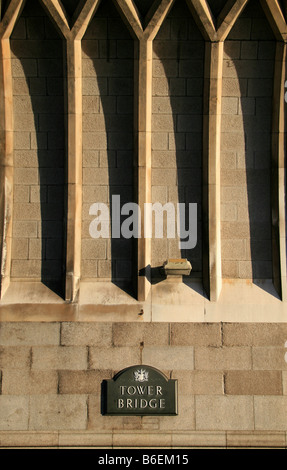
141	375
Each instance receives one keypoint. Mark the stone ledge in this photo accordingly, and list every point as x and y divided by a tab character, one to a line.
123	439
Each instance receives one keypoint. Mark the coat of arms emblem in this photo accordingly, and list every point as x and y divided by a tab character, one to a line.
141	375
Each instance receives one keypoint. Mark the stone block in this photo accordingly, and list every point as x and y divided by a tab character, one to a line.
20	248
195	334
37	86
19	31
266	50
169	357
251	382
234	87
27	159
94	249
120	86
191	68
22	140
24	228
159	251
21	193
235	358
229	105
36	248
82	382
59	412
59	357
163	159
233	250
39	140
168	69
24	382
245	270
249	50
159	194
269	358
29	334
23	68
15	357
25	122
185	419
255	439
194	86
105	268
234	194
35	28
169	176
14	413
224	413
26	439
26	176
163	123
120	141
198	382
86	334
55	86
115	359
232	141
160	86
92	87
232	49
228	212
96	176
230	269
159	141
89	268
91	104
260	87
135	334
27	211
270	413
91	158
246	106
50	67
254	334
236	229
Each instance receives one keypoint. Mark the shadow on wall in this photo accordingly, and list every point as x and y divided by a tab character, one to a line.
246	147
178	74
109	48
39	150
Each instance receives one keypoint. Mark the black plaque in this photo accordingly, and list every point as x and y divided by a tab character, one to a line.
140	390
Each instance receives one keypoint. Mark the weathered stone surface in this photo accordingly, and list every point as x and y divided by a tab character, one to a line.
224	413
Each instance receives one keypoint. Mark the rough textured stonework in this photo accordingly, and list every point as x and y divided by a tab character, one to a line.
107	53
184	102
231	378
177	104
248	70
39	155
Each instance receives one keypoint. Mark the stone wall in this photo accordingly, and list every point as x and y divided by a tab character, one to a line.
223	339
248	71
108	88
178	65
231	378
39	148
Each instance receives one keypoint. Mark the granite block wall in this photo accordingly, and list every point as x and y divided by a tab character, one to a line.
248	70
178	67
39	148
231	379
108	141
